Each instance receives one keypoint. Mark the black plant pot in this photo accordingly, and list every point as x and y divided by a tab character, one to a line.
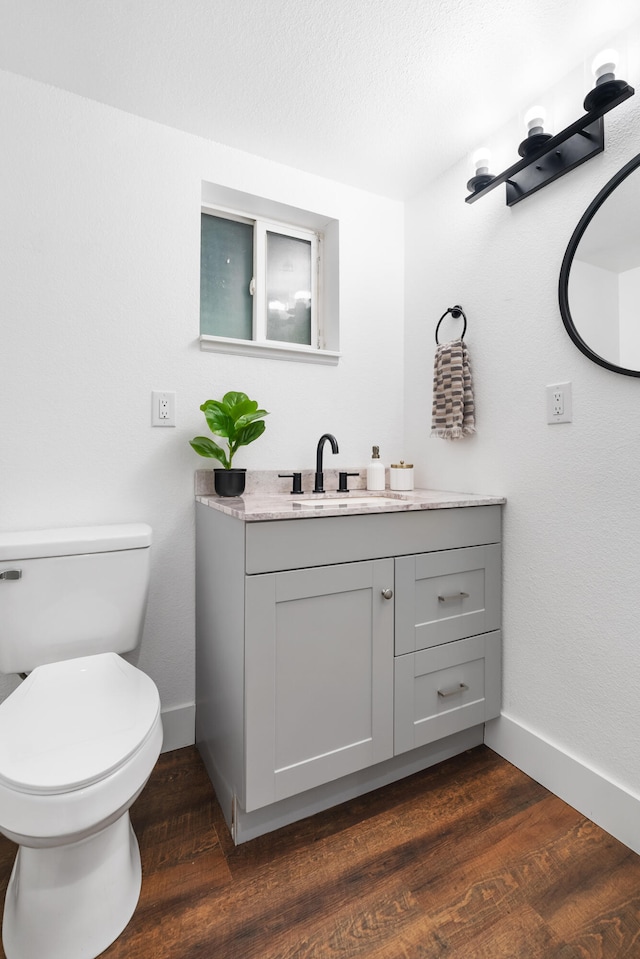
229	482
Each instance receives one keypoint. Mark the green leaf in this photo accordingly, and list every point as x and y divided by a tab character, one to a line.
214	405
234	399
206	447
249	433
243	409
249	418
219	421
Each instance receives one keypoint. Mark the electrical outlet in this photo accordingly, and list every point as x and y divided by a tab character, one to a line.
559	403
163	408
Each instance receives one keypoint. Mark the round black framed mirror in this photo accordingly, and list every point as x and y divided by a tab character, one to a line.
599	289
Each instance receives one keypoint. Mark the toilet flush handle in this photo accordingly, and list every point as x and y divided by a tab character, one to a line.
10	574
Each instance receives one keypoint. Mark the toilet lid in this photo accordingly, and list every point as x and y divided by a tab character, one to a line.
73	723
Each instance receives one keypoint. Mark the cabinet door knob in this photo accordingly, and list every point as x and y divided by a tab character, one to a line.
387	593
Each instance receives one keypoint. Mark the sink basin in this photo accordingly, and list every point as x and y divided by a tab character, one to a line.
335	502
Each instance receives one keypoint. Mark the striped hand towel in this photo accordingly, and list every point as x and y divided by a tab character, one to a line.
453	407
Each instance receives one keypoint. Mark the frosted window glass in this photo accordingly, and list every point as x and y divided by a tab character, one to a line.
226	269
288	289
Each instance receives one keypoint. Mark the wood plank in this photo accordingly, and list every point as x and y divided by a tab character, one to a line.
469	859
601	917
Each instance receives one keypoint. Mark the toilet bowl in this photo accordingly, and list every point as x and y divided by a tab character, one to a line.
78	741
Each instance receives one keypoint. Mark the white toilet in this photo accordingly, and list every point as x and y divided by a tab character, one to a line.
78	738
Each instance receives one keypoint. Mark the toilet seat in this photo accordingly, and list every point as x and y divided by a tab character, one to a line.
73	723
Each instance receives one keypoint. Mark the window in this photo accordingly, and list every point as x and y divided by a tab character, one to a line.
263	285
226	271
258	280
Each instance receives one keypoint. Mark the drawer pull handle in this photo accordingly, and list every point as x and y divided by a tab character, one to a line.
458	688
453	597
387	593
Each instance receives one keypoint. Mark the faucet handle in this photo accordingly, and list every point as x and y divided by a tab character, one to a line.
297	481
342	483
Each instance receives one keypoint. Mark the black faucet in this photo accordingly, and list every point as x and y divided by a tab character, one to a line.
319	483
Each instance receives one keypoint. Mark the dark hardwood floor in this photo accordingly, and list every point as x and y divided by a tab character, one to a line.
468	860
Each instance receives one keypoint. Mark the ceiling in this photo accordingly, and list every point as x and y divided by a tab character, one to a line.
380	94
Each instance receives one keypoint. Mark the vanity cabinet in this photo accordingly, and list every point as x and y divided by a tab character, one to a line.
331	652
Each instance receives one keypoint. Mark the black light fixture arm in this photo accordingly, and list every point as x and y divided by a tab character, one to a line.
579	142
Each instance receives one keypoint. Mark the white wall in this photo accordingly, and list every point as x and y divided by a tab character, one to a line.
572	521
594	295
99	253
629	287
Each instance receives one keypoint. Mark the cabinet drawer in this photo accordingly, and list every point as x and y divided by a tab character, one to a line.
293	544
447	595
443	690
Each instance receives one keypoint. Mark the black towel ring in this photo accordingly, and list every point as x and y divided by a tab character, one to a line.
456	313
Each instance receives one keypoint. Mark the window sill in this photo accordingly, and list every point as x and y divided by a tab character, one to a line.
279	351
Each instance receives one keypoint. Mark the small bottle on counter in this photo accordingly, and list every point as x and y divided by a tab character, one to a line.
401	476
375	471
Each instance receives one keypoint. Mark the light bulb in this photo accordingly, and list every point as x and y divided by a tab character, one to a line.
481	159
605	63
535	117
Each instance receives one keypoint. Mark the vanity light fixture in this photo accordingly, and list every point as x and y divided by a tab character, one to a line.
545	157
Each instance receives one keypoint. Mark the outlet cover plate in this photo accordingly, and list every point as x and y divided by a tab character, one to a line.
163	408
559	403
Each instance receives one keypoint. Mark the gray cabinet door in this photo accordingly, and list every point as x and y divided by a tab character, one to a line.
318	676
446	595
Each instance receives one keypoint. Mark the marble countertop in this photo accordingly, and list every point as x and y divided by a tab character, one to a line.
268	503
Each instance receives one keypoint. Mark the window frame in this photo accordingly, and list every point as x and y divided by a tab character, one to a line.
259	345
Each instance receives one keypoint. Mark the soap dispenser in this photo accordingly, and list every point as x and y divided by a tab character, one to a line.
375	471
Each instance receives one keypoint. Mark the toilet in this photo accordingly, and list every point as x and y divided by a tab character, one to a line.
79	737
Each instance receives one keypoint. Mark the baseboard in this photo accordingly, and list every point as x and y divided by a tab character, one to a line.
179	727
609	805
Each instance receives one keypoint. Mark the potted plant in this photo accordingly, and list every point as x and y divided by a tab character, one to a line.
237	419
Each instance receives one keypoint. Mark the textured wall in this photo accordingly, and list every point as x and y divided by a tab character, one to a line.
572	522
99	247
358	92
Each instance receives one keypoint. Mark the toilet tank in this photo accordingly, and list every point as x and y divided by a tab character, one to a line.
71	592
